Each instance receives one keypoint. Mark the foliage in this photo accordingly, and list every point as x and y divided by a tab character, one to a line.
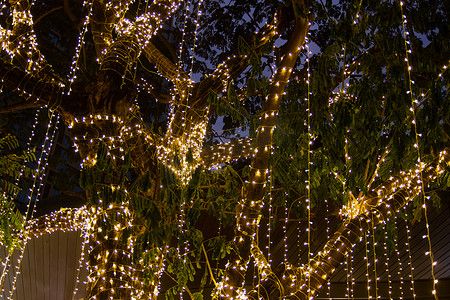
12	168
345	123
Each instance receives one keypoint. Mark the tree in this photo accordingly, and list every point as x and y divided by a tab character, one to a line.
362	120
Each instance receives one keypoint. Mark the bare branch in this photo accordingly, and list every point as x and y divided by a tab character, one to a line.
22	105
71	15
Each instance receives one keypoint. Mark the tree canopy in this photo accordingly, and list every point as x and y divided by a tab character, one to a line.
247	114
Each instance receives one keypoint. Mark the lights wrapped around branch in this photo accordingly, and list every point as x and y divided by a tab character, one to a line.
147	24
181	153
65	219
250	206
226	152
384	201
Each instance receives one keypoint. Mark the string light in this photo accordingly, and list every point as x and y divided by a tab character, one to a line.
308	184
366	258
347	277
399	261
417	135
328	238
410	262
35	188
7	262
84	242
375	260
74	66
386	256
183	154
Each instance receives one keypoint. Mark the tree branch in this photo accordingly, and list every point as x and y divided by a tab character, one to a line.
65	219
166	67
226	152
249	209
104	16
21	105
385	200
29	85
20	42
147	24
71	15
216	82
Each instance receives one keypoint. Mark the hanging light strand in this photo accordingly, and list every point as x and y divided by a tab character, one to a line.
386	256
411	268
84	242
35	188
414	103
74	67
400	266
375	260
308	184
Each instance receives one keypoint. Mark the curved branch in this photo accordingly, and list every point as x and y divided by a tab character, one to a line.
65	219
387	199
29	85
20	42
103	17
48	12
166	67
75	20
216	82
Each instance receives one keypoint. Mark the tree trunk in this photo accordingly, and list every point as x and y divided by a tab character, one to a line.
113	273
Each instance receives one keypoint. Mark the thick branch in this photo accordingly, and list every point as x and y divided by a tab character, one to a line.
226	152
101	23
217	83
250	207
188	125
229	69
148	24
28	85
104	16
133	38
21	43
385	200
66	219
166	67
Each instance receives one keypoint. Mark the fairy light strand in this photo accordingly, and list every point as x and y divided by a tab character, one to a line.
366	258
399	261
410	261
309	158
308	185
28	148
375	260
84	242
417	145
35	188
386	257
